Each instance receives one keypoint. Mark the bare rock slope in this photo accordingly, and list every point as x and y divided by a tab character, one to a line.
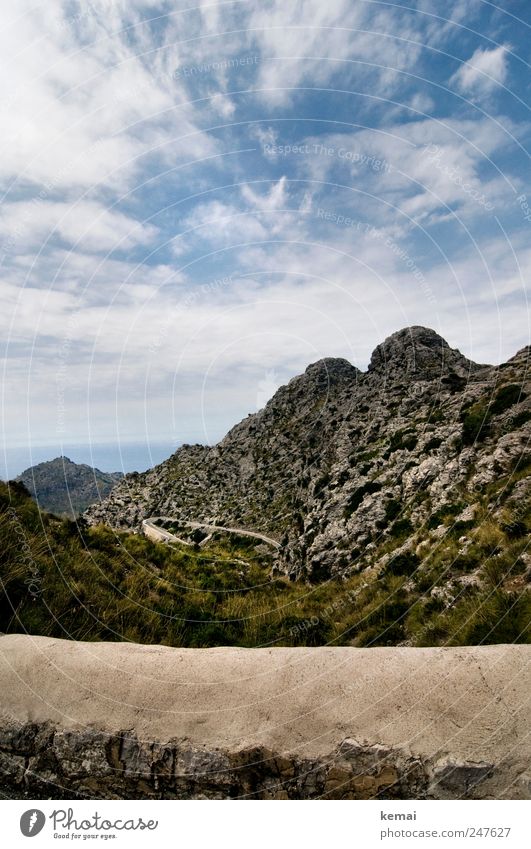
349	469
108	720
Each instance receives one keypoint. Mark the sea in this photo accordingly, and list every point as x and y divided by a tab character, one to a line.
107	457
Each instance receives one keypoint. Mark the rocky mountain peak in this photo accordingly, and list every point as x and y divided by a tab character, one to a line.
326	377
420	352
332	370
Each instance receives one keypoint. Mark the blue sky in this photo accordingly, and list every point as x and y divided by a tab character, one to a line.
198	200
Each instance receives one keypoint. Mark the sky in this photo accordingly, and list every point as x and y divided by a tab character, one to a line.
198	199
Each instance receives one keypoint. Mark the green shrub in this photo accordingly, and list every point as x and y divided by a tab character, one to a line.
448	511
500	617
468	562
321	483
521	419
384	623
401	528
434	443
381	635
460	528
358	495
404	439
454	382
436	415
403	564
392	509
506	398
515	528
476	423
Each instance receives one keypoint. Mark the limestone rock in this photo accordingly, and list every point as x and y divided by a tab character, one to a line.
339	460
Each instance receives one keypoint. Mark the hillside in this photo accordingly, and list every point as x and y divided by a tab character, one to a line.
399	497
417	468
65	488
59	578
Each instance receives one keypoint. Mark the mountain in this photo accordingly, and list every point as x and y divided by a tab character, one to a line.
65	488
418	466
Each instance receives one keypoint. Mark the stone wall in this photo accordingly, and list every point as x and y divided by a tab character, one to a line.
103	720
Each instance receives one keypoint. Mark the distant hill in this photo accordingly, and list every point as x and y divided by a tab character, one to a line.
65	488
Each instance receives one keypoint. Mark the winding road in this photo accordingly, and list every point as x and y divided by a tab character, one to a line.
154	532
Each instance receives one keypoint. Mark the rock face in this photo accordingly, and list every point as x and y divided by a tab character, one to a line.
341	463
65	488
104	720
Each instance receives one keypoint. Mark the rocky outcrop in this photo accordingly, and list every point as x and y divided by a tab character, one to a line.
104	720
342	465
419	353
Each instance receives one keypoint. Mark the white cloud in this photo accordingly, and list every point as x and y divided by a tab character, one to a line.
306	204
484	71
223	105
221	223
264	135
208	356
311	44
97	104
256	219
88	225
422	103
419	167
91	108
273	200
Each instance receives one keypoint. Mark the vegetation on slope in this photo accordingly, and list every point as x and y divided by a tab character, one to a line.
60	578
